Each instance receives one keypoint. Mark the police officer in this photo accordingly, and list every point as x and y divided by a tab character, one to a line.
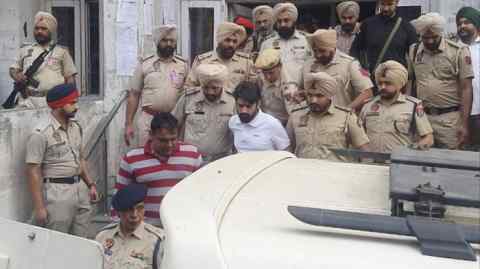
247	45
157	81
321	125
55	164
58	66
203	113
263	20
292	44
392	119
354	84
443	71
348	13
131	243
276	87
239	65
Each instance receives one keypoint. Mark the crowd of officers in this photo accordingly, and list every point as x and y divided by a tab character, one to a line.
372	86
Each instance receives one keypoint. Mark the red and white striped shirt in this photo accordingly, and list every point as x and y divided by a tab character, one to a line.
141	166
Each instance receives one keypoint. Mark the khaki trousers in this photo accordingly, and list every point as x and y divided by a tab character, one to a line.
142	128
445	128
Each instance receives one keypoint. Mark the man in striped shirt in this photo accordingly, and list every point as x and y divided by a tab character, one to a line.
160	164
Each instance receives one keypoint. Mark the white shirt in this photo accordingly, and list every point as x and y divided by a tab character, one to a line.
475	51
264	132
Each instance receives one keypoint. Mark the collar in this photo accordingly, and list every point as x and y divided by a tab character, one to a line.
56	124
275	84
332	62
139	233
441	47
147	149
401	98
355	31
331	110
257	120
217	57
220	100
158	59
389	19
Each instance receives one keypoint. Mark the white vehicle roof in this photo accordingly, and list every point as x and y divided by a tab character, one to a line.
233	214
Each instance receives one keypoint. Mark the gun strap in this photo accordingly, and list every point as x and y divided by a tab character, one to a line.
32	69
387	44
414	76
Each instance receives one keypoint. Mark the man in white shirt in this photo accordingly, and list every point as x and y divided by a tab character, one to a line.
252	129
468	28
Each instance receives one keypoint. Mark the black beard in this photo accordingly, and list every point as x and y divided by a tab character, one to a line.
225	53
286	33
348	28
245	117
43	40
166	52
465	36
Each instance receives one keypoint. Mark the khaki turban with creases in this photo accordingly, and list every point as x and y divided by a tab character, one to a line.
323	38
392	71
348	6
430	21
47	20
268	59
211	72
321	83
281	8
228	29
162	31
262	10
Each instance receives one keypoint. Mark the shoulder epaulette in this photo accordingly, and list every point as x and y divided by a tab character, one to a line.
62	47
192	91
43	126
148	57
79	126
302	33
204	55
154	230
454	44
346	56
228	93
413	99
110	226
346	109
178	57
242	54
24	44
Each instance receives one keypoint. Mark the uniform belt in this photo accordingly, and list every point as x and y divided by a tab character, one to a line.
35	93
439	111
149	110
62	180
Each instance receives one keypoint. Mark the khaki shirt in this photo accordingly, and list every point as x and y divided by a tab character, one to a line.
248	48
57	66
438	74
205	124
240	68
389	126
311	135
56	149
352	79
142	250
294	52
160	81
273	100
345	40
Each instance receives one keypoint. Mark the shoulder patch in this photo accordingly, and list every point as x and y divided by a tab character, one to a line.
192	91
413	99
178	57
155	231
110	226
204	56
346	109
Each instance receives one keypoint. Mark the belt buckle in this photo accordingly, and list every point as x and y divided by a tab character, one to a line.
76	179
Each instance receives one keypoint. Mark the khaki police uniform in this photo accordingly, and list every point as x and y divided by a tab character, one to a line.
205	124
240	68
294	52
59	153
248	48
273	100
352	79
57	66
161	84
141	250
438	77
395	124
311	135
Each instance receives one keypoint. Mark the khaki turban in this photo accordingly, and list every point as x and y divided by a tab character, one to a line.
430	21
268	59
289	8
262	10
348	6
161	32
321	83
394	72
228	29
46	19
211	72
323	39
